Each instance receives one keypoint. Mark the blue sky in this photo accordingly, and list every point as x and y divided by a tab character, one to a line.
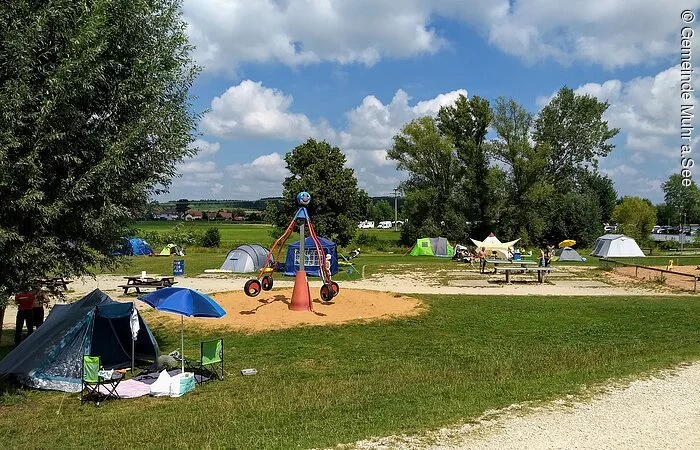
353	72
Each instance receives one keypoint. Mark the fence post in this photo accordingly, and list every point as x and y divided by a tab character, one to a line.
636	271
695	284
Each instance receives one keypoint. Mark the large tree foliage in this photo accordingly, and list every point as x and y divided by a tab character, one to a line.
573	126
432	199
95	114
536	181
635	217
681	199
336	203
466	123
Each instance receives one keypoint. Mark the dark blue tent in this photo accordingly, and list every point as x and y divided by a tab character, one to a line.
135	247
96	325
310	257
139	247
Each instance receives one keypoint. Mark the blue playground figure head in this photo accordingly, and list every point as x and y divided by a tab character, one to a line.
303	198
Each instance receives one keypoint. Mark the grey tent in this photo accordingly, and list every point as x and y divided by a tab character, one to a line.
96	325
616	245
245	258
569	254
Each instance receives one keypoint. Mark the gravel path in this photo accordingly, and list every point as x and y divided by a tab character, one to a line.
660	412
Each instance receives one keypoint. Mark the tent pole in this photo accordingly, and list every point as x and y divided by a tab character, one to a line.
182	341
132	356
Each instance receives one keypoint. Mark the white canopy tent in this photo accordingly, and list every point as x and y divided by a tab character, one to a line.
493	244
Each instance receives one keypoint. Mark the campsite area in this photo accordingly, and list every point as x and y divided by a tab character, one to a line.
398	326
348	225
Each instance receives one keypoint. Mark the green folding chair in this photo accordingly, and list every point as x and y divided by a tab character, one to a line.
211	360
92	381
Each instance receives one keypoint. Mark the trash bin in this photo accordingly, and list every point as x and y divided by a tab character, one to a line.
178	267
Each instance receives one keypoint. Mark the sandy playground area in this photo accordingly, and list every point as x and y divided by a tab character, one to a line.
270	310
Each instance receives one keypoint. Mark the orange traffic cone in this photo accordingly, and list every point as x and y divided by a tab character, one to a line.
301	296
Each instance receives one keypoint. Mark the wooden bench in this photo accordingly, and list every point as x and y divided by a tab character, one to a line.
541	272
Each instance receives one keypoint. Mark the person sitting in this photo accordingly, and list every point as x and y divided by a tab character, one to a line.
25	310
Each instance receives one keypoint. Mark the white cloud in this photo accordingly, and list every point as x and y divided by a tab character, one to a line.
251	110
205	148
611	33
229	32
647	111
262	177
372	125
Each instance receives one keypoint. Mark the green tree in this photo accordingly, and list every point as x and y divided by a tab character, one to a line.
336	203
681	199
635	217
382	211
95	116
182	206
211	238
573	127
542	201
466	123
666	215
431	196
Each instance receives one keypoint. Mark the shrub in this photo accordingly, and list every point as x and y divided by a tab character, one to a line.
668	245
211	238
366	240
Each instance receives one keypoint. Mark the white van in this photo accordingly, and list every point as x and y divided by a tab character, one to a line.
385	224
366	224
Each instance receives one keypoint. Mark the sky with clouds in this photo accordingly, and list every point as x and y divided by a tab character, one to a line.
352	72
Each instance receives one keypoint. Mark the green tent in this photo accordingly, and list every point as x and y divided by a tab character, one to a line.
432	247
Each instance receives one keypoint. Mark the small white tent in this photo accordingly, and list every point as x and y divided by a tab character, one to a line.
616	245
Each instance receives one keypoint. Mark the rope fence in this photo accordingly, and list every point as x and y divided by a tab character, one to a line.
685	281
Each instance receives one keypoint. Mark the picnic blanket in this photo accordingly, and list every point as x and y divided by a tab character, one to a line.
141	385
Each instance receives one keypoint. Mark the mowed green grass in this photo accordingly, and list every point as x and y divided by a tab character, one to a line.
234	234
320	386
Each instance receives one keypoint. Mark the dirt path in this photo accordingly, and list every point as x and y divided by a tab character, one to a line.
660	412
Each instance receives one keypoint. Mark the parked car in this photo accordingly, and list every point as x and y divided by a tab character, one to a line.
366	224
385	224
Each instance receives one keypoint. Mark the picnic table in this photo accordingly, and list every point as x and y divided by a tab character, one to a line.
502	263
541	271
139	282
54	282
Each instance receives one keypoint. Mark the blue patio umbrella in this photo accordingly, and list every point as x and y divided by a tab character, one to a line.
186	302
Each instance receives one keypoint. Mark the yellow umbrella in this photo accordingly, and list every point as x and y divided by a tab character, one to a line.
567	243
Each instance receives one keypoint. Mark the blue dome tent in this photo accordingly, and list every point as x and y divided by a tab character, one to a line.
134	247
310	257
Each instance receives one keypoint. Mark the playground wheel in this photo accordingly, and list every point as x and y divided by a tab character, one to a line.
252	288
267	283
335	288
326	293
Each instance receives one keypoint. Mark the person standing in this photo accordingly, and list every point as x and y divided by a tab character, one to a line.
482	260
25	314
40	299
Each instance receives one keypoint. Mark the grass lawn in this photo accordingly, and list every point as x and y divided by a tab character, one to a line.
319	386
234	234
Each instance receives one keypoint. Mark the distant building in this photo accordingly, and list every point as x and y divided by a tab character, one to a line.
193	215
225	215
166	215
